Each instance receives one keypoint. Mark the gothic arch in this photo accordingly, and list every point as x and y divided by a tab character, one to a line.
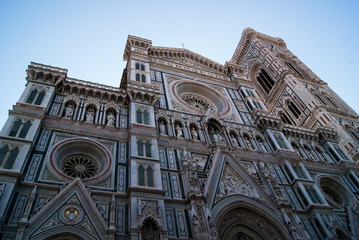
64	232
112	105
240	214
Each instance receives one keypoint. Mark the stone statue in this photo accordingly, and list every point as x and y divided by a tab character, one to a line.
139	206
179	131
162	128
194	133
110	120
89	116
217	137
222	191
196	226
248	143
69	111
235	141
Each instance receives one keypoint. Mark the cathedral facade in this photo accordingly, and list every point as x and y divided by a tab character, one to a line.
184	148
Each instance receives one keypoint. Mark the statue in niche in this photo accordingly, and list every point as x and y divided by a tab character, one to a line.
89	115
69	111
248	142
110	120
196	225
194	133
179	131
234	141
261	145
217	137
163	127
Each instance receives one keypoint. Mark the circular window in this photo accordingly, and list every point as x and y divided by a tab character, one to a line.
198	98
80	166
80	158
197	102
332	194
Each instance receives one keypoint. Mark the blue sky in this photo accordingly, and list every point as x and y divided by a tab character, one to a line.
88	37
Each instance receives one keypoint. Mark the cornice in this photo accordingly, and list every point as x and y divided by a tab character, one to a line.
248	35
166	52
133	41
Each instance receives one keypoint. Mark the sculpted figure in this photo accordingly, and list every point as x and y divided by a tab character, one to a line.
110	120
196	227
194	133
69	111
235	141
179	131
162	128
89	116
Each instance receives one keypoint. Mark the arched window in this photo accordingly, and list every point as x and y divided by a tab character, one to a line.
143	78
20	129
265	81
39	98
148	149
35	97
149	177
8	157
32	96
25	128
137	66
144	149
145	176
294	110
140	148
142	67
285	119
138	78
141	176
15	128
142	116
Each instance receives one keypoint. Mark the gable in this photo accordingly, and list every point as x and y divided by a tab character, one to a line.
73	211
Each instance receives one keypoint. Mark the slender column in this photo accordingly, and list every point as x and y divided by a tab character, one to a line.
104	117
117	119
289	166
97	116
305	171
305	193
322	198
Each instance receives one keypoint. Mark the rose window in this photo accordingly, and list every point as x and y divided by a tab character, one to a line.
332	194
80	166
197	102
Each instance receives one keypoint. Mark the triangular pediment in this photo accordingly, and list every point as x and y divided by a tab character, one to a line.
72	210
231	178
232	182
187	58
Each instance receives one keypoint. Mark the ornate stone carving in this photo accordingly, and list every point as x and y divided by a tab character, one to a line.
233	183
71	214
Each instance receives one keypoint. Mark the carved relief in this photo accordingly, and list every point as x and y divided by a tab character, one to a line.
233	183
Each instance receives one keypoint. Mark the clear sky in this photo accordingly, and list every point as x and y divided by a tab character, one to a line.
88	37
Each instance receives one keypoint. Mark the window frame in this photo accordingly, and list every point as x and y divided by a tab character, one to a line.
148	179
